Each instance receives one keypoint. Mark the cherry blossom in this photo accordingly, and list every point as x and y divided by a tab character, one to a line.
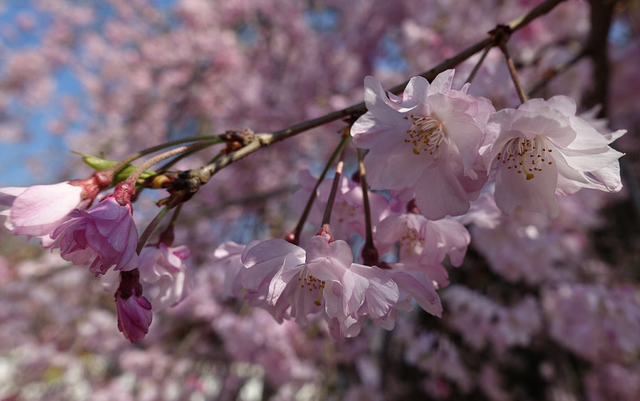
165	278
40	209
227	257
543	148
424	244
134	316
297	283
102	236
426	141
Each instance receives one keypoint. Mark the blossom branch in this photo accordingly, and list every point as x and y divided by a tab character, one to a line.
157	159
195	149
265	139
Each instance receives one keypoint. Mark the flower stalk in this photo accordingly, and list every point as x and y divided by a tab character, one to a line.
369	252
479	63
151	228
326	218
294	237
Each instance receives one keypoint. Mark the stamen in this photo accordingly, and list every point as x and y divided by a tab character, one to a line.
516	151
426	134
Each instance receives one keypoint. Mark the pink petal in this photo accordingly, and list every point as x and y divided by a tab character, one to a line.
438	193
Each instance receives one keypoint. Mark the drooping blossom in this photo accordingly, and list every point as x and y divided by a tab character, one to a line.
424	243
40	209
134	317
262	260
425	143
103	236
164	275
347	216
541	149
132	309
297	283
380	299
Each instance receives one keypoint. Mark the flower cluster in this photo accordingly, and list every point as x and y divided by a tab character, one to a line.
442	145
445	157
104	237
323	282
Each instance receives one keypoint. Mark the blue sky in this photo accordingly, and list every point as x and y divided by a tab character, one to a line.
50	150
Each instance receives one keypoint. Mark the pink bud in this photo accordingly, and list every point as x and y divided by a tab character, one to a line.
134	316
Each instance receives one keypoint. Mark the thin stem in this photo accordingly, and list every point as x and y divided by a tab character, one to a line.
479	63
175	216
370	256
151	228
167	236
196	149
157	159
307	208
365	201
514	74
122	163
216	158
334	189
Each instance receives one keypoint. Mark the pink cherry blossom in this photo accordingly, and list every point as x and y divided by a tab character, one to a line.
424	244
543	148
301	284
39	209
380	298
425	142
262	260
304	286
134	316
103	236
164	276
227	257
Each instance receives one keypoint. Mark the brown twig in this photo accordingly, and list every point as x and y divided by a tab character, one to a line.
514	74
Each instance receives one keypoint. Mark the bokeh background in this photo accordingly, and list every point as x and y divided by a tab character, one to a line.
539	310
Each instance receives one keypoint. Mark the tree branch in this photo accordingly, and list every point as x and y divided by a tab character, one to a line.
261	140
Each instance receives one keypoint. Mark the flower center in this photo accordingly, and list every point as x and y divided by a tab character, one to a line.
308	281
410	240
425	135
344	210
526	156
